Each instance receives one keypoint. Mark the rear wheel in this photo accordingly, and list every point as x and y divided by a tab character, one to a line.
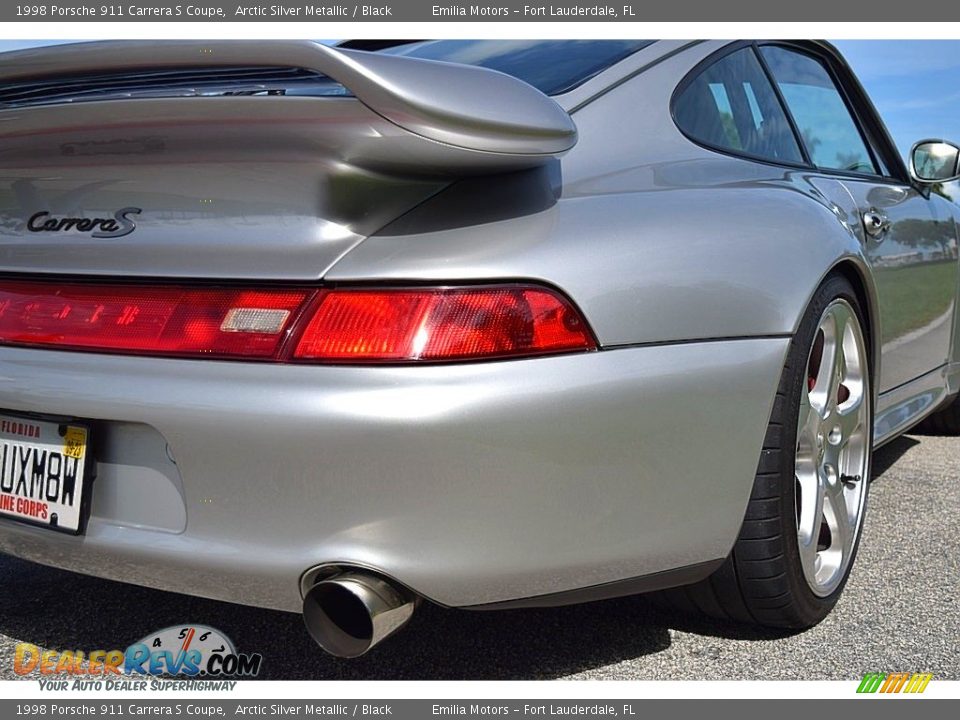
802	526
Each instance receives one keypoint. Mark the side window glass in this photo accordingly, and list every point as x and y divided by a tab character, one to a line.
826	126
732	106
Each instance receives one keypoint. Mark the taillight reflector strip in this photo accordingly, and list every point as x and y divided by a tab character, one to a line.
180	321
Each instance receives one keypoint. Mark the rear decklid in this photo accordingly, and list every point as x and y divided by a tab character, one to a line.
265	160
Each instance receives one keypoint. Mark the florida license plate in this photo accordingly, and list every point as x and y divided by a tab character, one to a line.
42	472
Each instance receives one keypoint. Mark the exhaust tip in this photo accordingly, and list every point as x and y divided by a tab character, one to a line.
350	613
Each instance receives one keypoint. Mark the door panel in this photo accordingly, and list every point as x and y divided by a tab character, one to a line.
915	269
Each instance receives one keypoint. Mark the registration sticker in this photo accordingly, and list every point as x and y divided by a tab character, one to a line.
75	442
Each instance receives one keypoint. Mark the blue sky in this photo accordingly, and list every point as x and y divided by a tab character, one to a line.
913	83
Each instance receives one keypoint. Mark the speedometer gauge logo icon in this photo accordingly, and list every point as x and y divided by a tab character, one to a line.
192	650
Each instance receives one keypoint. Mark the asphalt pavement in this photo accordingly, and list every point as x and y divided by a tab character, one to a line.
900	612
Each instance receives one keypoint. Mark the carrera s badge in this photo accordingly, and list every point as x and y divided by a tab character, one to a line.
117	226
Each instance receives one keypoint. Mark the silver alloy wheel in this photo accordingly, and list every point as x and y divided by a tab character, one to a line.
833	448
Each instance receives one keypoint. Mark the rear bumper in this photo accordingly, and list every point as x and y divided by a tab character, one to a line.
471	484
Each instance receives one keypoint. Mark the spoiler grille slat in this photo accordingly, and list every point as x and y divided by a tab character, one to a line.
168	82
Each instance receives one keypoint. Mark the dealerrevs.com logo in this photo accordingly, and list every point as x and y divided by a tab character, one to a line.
199	654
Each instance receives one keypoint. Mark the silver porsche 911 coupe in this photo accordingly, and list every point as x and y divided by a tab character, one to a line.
489	324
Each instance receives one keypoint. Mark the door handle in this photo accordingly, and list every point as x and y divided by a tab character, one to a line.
875	223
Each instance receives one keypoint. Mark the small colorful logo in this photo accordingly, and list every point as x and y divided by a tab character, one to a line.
181	650
894	682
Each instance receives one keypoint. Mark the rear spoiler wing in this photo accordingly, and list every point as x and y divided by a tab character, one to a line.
469	108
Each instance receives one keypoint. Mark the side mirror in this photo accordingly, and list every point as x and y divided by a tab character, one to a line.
935	161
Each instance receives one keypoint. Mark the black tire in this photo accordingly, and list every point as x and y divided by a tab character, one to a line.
762	582
945	421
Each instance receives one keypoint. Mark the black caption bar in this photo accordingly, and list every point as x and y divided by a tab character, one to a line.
440	11
118	708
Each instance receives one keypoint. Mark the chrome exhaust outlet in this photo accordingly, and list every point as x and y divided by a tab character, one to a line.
349	613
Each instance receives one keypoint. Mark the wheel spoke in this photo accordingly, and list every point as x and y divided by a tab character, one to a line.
838	519
840	361
808	556
850	419
824	391
812	487
808	425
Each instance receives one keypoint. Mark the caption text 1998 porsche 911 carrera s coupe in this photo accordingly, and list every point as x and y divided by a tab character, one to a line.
490	324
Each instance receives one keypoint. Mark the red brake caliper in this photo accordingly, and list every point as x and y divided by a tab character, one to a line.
843	392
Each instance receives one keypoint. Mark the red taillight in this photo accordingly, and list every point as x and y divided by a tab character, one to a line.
441	324
149	320
304	325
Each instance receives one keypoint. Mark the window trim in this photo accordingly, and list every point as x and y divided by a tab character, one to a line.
861	107
791	120
844	94
701	67
865	117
